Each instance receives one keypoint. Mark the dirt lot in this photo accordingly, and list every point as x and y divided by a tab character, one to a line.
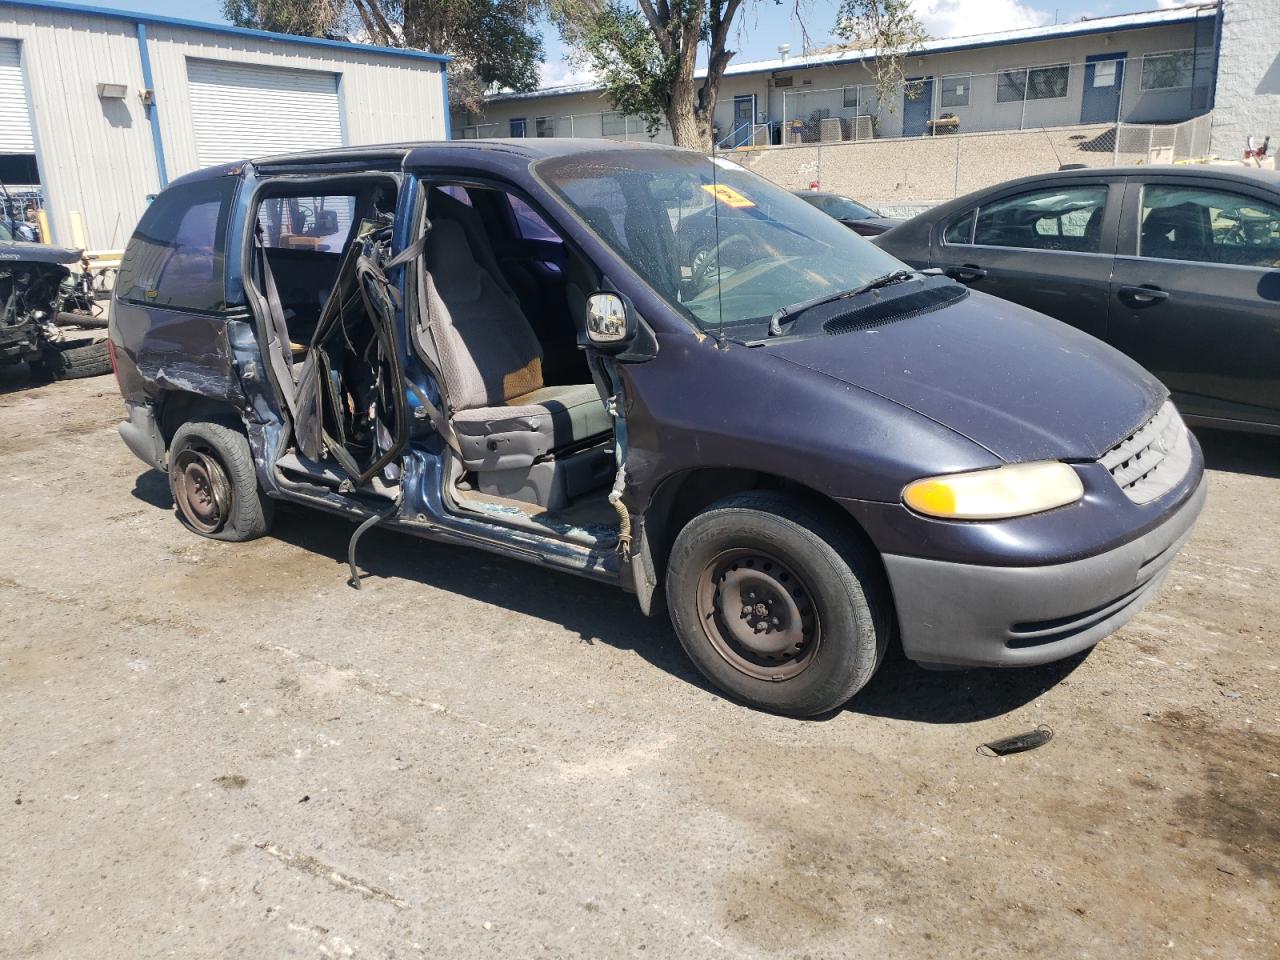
222	750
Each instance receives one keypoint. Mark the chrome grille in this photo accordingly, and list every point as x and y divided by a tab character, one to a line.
1150	461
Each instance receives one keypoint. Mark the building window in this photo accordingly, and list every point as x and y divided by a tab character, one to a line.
614	123
851	97
1038	83
544	127
1167	71
955	90
518	127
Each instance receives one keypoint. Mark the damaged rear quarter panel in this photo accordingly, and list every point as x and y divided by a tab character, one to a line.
159	350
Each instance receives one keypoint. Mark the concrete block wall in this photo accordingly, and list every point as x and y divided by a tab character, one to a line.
1247	101
928	170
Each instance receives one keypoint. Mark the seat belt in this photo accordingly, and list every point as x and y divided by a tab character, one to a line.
280	355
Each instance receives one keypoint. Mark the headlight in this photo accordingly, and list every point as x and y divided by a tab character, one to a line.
1012	491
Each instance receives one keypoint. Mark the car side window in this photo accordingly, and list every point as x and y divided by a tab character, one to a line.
1065	219
176	257
321	224
960	231
529	224
1208	226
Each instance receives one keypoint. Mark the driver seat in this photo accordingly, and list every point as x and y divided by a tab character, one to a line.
503	415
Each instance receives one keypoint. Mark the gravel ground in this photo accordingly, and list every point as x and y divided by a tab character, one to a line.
219	750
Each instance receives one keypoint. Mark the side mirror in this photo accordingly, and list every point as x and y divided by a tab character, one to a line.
611	323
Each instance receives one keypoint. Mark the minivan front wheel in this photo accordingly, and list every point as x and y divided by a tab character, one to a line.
214	486
778	605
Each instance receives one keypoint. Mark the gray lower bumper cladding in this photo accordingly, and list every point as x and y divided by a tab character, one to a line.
977	616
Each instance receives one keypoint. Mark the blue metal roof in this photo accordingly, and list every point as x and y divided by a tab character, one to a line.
58	6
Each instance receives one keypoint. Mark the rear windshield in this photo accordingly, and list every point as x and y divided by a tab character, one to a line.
721	244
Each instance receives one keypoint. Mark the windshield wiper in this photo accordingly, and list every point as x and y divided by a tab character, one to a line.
794	309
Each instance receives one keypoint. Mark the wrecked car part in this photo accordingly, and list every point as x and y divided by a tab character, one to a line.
361	530
624	517
1018	743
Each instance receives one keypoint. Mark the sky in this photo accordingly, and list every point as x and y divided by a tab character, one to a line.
764	24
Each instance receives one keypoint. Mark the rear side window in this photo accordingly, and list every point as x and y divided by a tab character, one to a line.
177	256
960	231
528	223
1067	219
321	224
1209	226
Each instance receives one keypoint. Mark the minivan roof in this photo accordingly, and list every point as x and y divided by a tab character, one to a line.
531	148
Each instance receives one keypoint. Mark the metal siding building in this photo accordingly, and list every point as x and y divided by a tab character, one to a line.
216	93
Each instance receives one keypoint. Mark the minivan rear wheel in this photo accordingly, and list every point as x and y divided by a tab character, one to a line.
778	605
213	482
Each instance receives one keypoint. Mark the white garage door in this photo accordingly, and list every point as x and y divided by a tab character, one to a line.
241	112
15	120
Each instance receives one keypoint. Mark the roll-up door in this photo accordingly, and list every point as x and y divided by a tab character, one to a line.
15	119
242	112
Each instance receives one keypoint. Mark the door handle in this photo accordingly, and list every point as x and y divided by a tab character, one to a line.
1144	294
966	273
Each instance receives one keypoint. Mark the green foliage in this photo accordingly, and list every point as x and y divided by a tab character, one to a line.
890	31
618	46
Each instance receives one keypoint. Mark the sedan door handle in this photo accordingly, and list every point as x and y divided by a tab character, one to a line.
966	273
1143	294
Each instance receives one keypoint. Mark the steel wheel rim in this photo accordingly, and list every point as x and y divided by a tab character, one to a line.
758	614
202	490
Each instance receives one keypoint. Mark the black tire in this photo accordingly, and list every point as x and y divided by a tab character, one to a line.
75	359
834	591
214	486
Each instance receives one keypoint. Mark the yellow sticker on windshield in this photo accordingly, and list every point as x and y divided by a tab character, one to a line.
727	195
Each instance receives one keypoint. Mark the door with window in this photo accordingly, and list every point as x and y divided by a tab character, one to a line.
1103	81
1048	248
744	117
1195	297
917	106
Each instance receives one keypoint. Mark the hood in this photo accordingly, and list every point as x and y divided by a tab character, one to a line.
37	252
1018	383
872	227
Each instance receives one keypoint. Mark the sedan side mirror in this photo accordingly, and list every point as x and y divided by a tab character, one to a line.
611	323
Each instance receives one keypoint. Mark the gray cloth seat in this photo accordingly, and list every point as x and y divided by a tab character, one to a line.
504	416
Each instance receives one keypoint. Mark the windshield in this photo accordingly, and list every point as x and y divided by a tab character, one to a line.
4	230
842	208
721	244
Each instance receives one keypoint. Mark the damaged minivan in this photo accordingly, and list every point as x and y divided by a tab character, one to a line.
798	447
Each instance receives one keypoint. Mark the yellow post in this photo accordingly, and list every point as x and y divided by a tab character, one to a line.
42	219
77	230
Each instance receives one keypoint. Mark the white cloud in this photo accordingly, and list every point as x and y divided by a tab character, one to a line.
562	73
960	18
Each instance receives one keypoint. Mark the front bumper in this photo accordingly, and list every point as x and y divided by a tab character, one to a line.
966	615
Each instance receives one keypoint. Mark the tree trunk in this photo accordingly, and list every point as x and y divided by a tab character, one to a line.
688	130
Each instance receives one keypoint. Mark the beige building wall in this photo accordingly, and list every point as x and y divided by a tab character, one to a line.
818	87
